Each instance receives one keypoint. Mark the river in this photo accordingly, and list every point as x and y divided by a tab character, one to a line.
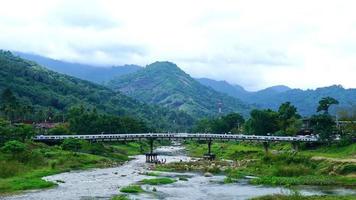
105	183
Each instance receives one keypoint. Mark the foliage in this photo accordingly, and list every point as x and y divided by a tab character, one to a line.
25	170
132	189
163	83
262	122
73	144
19	131
60	129
120	197
45	95
300	197
231	123
158	181
324	126
288	118
13	147
325	103
85	121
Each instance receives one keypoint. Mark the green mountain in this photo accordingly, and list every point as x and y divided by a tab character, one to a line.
44	89
305	100
163	83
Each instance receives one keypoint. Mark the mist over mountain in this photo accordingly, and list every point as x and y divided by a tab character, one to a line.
87	72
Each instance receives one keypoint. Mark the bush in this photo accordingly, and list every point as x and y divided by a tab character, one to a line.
132	189
158	181
72	144
291	170
348	169
10	168
14	147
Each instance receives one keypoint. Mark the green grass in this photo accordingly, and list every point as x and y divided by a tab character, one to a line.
132	189
158	181
228	150
120	197
300	197
333	151
280	166
25	171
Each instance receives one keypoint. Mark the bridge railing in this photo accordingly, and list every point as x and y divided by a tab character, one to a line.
197	136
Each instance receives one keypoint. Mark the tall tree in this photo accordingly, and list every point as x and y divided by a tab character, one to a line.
9	104
287	116
325	103
262	122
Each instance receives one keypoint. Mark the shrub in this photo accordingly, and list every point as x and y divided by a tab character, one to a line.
132	189
348	169
291	170
14	147
158	181
10	168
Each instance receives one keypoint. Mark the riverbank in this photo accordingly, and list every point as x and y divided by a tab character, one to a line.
281	166
300	197
25	170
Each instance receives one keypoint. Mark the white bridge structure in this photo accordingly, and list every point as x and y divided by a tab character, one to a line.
151	157
176	136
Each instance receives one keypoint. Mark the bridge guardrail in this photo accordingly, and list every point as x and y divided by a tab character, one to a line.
205	136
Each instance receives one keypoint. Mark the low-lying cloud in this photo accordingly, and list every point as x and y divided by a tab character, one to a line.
303	44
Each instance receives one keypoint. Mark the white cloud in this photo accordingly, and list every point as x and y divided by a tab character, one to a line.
254	43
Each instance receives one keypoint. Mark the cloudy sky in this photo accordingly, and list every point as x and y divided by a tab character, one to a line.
254	43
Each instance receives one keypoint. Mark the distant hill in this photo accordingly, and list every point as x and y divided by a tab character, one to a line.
305	100
87	72
45	89
163	83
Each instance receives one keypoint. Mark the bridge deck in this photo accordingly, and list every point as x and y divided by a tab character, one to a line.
175	136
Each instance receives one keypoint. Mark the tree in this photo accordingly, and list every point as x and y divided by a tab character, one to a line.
324	125
288	118
9	104
72	144
325	103
262	122
233	121
203	126
60	129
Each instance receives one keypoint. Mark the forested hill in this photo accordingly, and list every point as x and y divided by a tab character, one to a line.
87	72
43	89
305	100
163	83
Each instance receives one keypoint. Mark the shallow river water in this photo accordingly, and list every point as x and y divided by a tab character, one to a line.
104	183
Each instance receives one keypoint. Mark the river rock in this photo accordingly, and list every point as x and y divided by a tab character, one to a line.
208	174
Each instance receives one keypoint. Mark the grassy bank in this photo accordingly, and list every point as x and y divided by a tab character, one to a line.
24	170
300	197
281	166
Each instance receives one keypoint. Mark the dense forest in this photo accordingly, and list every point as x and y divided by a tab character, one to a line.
163	83
44	95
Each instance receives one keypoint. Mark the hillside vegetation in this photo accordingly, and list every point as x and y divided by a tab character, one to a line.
163	83
43	91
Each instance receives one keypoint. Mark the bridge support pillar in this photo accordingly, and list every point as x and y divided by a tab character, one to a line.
209	156
151	157
265	146
295	146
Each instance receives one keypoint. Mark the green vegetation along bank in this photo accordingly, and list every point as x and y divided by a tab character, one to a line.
281	166
23	164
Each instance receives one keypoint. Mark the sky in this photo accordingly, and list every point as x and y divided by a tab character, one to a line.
253	43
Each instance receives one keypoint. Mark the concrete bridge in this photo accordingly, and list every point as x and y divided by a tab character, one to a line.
152	157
